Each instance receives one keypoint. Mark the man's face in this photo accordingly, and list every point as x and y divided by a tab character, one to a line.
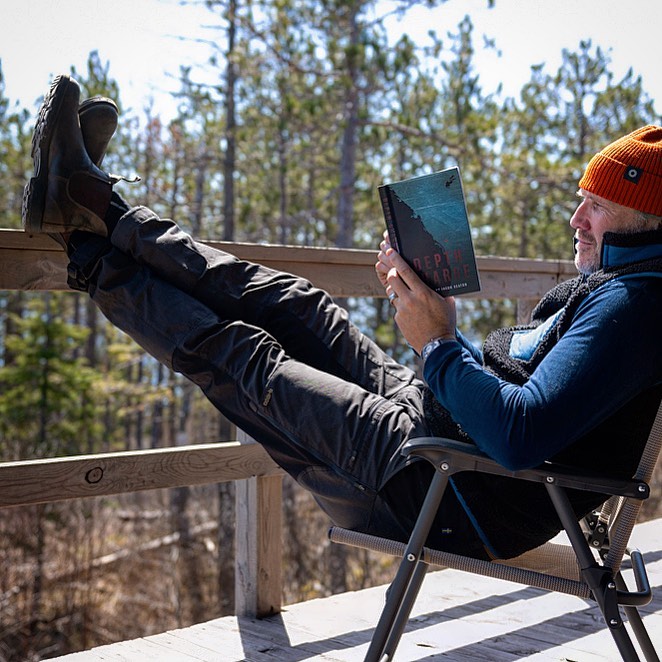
591	220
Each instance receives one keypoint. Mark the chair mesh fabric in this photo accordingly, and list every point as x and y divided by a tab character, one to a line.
551	559
468	564
619	533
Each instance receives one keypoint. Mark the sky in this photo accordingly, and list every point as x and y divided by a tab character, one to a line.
41	38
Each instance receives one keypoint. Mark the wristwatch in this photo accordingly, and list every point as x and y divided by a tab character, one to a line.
430	346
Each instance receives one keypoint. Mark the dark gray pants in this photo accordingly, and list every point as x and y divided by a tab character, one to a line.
282	361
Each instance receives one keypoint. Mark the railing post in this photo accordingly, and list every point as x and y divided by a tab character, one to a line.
524	309
258	549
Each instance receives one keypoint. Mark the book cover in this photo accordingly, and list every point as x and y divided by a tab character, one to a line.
427	223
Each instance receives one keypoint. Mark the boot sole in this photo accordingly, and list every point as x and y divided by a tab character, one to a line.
103	114
34	193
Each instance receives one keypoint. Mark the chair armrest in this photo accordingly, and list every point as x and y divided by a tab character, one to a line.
451	456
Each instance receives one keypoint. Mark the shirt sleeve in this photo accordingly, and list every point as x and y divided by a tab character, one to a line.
610	353
469	346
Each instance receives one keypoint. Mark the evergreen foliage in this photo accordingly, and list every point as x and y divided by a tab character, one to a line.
312	107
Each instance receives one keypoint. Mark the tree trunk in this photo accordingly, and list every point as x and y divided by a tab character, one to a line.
230	127
349	139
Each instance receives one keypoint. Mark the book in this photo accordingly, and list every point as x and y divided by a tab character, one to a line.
427	222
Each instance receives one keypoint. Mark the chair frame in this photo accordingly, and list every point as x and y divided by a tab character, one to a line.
599	578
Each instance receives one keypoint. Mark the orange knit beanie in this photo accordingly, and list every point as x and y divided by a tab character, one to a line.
629	171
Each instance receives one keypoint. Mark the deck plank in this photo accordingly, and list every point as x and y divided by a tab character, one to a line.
458	617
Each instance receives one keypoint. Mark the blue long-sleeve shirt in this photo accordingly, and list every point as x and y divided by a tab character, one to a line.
610	353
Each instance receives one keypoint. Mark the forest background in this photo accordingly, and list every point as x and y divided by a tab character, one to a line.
313	106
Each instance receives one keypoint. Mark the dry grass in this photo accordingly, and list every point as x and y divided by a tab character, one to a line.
116	569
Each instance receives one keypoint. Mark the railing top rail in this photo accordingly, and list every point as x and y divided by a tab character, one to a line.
36	262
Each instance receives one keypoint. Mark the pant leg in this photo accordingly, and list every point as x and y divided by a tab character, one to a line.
304	319
336	439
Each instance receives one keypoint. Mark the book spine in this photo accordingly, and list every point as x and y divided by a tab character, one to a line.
385	198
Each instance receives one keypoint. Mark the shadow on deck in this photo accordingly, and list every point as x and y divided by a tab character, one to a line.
457	617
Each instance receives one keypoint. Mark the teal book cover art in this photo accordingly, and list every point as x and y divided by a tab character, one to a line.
427	222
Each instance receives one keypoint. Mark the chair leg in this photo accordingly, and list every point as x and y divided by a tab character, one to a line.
599	579
638	627
404	611
407	582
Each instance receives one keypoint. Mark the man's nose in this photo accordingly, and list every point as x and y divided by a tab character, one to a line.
579	219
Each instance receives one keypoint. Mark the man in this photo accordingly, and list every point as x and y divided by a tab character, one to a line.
283	362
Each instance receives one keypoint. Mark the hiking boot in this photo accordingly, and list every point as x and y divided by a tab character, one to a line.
98	122
98	117
67	191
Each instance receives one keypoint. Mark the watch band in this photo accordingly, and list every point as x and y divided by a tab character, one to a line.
430	346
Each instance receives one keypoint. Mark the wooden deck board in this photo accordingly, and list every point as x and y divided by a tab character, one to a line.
457	617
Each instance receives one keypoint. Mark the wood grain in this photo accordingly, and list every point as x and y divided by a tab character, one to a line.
58	479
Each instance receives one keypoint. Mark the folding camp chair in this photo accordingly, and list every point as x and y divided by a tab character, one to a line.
589	567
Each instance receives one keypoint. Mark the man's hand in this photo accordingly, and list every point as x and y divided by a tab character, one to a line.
382	267
420	313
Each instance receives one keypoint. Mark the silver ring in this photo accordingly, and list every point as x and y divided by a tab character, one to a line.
392	296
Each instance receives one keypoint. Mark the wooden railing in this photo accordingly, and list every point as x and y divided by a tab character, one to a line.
36	262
